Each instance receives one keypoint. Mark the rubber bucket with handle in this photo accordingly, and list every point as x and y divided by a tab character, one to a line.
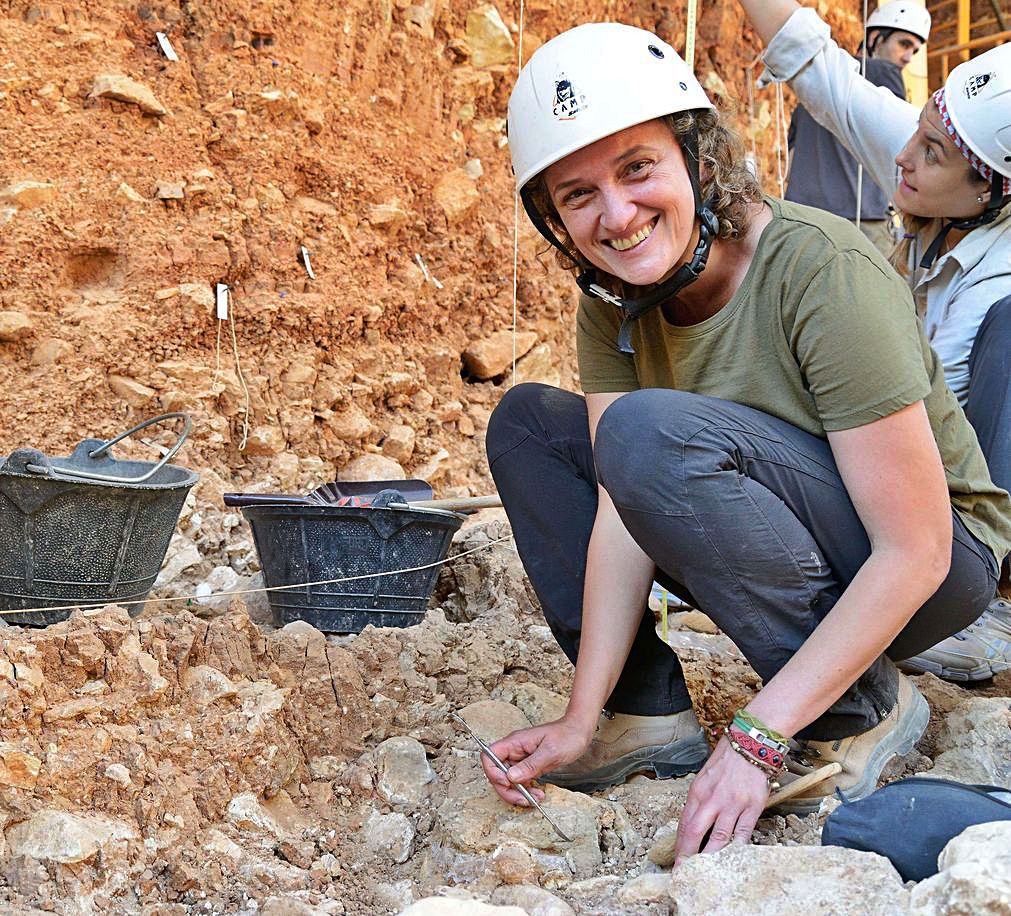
85	529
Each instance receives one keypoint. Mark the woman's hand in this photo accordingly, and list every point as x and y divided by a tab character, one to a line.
532	751
728	795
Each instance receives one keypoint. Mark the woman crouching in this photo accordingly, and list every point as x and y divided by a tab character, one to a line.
764	430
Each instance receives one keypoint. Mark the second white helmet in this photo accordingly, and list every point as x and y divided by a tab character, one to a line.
903	15
978	97
588	83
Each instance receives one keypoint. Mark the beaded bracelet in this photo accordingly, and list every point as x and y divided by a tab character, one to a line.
770	761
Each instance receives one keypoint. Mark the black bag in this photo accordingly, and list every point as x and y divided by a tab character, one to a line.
911	820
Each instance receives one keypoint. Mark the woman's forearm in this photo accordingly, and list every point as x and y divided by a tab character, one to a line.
888	589
618	578
769	16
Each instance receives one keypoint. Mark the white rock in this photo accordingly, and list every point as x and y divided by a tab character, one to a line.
974	876
404	772
26	195
488	37
390	836
533	900
772	880
123	89
64	838
976	737
649	888
246	813
118	774
445	906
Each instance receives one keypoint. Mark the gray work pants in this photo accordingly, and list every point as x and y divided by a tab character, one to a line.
745	516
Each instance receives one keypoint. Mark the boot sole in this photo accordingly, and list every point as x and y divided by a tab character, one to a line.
665	761
899	742
960	675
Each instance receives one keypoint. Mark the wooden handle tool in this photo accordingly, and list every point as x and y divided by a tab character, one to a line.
803	784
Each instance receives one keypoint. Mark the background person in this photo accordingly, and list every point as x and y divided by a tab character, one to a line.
776	458
949	169
822	172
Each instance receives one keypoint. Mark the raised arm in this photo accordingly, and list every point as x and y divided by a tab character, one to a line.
868	120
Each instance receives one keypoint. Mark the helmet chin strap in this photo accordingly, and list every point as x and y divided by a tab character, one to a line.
634	309
992	211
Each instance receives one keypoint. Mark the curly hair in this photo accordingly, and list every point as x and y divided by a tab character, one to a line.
724	177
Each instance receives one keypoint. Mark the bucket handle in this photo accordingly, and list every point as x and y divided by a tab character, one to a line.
104	447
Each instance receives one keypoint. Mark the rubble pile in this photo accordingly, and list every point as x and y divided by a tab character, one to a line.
170	764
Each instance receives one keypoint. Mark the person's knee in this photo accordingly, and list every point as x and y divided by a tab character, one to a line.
518	404
628	435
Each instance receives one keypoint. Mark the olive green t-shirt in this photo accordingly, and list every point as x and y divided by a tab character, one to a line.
823	334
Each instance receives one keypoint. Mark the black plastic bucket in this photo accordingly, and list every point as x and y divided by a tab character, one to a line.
85	529
304	544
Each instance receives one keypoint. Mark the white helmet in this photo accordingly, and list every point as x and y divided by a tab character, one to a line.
904	15
978	97
588	83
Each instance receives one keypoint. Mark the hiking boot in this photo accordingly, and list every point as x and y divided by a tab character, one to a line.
624	744
977	653
862	757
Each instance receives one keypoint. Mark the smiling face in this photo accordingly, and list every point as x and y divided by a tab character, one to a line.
627	203
937	181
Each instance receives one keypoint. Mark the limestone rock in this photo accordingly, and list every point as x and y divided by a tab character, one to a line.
64	838
493	719
26	195
135	393
533	900
447	906
457	195
198	296
974	876
170	190
976	738
17	766
770	880
14	326
391	216
404	772
124	89
50	350
398	443
648	888
537	703
207	685
350	425
265	441
390	836
492	356
488	38
247	813
539	365
515	863
372	467
127	193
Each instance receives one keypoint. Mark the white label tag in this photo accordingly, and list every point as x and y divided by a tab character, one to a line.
222	301
166	46
308	264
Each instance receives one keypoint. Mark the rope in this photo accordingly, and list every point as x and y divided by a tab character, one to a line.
516	217
780	141
860	165
253	591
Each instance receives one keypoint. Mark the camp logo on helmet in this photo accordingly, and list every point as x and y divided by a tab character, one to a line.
569	101
974	83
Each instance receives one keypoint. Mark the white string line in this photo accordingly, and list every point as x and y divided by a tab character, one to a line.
253	591
780	143
238	372
752	118
860	165
516	217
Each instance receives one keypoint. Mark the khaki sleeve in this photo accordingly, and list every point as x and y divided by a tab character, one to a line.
856	338
603	368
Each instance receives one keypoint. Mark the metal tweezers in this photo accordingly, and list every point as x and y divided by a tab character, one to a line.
487	751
